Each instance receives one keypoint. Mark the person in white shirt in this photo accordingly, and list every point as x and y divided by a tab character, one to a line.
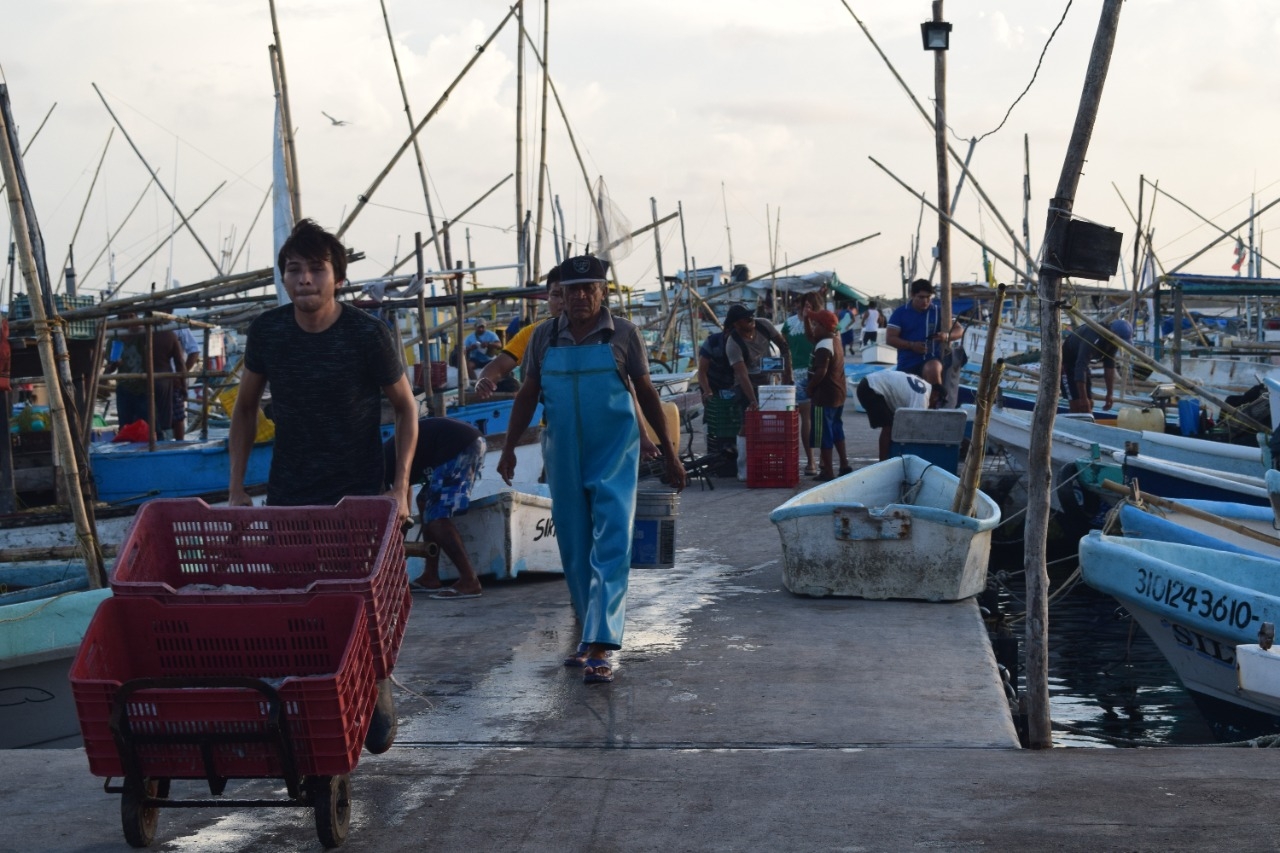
870	323
884	392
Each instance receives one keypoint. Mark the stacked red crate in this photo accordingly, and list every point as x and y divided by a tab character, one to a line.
773	449
183	551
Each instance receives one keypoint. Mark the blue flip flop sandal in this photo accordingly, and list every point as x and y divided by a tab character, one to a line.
592	674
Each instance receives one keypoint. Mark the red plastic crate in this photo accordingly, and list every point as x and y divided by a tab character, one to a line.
185	551
314	651
773	449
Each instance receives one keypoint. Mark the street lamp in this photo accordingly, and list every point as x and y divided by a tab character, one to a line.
936	35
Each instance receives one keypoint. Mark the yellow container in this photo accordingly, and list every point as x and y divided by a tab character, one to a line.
672	414
1149	418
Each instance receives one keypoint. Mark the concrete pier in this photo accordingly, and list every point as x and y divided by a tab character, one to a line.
742	718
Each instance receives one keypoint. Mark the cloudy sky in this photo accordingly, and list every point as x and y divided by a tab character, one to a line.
750	113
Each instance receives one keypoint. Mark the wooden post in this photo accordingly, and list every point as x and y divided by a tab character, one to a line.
944	179
657	250
1036	666
425	347
151	389
24	227
461	321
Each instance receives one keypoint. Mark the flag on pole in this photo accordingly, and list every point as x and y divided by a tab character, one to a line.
1239	255
281	205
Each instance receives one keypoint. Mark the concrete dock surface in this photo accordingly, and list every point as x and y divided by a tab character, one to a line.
742	718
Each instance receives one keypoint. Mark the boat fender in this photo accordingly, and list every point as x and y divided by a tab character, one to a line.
1079	505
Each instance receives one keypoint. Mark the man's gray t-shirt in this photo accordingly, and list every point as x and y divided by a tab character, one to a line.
326	401
758	347
628	347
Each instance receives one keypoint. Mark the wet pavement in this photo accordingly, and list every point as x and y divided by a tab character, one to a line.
742	718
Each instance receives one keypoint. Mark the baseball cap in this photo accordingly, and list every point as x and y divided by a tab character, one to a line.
1121	329
825	319
738	311
584	269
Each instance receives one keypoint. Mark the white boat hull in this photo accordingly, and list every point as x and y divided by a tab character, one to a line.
886	531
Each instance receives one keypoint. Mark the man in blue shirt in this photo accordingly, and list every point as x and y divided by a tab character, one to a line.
481	346
914	332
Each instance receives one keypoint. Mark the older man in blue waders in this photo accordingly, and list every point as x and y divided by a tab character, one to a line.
580	364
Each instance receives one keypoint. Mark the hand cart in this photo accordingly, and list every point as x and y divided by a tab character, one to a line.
219	692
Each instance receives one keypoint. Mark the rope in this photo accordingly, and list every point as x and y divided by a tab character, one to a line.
47	602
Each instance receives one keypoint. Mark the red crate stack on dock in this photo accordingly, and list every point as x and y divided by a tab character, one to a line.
773	449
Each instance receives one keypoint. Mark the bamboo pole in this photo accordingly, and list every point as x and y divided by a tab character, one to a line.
166	240
521	244
573	142
1133	492
364	197
116	233
995	254
286	116
24	228
657	251
542	145
417	147
425	350
436	234
1156	188
62	271
247	234
1039	725
186	224
988	391
995	211
31	141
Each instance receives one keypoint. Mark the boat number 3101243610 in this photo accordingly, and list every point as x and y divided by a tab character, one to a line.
1201	601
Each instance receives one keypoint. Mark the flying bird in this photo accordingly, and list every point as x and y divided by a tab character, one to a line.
337	122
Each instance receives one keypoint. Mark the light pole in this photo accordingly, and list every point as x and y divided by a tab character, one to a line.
936	36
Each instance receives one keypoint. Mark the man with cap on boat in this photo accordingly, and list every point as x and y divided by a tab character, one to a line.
1081	347
582	365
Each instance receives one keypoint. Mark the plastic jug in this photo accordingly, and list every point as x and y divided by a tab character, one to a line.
1149	418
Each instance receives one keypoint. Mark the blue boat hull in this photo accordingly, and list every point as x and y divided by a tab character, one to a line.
1196	606
128	473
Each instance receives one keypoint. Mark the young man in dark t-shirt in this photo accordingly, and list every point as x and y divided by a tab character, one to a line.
329	365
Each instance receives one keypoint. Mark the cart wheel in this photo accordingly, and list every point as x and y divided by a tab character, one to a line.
332	799
139	821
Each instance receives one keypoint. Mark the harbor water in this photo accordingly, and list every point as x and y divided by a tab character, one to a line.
1106	676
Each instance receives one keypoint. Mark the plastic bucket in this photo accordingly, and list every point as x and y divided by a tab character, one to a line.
776	398
653	541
